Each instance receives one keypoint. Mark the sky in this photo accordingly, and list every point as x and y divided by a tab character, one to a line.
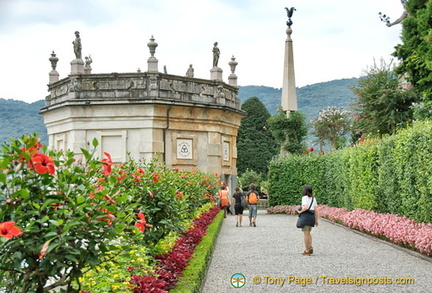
332	39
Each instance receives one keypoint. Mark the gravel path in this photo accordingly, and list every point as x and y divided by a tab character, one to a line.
269	256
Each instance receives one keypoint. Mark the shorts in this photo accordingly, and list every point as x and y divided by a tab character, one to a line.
252	210
307	228
238	210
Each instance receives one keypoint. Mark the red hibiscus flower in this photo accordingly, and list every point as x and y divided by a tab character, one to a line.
106	164
109	217
136	177
142	223
155	177
9	230
179	194
42	164
311	149
122	176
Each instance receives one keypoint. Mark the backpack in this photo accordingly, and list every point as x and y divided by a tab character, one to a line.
253	198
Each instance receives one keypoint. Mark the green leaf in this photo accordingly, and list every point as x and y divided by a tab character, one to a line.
3	178
80	199
25	193
86	154
71	257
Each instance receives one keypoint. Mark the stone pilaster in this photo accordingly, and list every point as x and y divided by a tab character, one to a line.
77	67
216	74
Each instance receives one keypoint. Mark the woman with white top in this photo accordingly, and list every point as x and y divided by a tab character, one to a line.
309	205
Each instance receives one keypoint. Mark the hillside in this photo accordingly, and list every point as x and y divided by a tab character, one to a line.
311	98
18	118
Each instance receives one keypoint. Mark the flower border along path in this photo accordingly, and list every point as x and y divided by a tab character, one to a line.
396	229
194	274
172	264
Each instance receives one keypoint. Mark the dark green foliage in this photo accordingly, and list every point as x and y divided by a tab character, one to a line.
255	143
18	118
388	176
416	50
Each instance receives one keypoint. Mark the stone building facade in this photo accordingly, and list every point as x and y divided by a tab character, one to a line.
188	123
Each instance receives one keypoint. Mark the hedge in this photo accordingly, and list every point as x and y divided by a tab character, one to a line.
195	272
391	175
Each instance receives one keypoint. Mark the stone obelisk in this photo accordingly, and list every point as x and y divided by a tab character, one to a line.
289	93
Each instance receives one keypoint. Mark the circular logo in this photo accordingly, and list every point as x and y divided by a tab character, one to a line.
238	280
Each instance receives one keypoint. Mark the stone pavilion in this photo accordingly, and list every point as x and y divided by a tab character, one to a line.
184	121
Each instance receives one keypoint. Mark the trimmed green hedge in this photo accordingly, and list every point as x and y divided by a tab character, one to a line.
195	272
392	175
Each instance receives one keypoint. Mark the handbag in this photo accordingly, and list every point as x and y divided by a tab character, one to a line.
307	218
243	201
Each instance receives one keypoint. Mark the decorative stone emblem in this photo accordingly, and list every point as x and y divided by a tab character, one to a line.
184	149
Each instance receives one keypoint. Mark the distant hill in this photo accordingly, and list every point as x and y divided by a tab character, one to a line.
18	118
311	98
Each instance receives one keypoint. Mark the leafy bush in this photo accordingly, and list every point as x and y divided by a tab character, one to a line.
387	176
59	217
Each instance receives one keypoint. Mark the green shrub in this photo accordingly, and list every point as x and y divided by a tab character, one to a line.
391	175
194	274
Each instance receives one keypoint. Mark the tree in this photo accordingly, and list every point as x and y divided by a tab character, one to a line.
255	143
289	132
382	104
331	125
415	52
248	177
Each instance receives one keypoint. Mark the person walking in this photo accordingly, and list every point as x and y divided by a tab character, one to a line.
252	199
238	200
223	199
309	210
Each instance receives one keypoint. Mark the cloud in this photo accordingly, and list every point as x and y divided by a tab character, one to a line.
332	39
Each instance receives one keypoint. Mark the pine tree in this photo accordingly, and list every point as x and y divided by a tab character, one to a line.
255	143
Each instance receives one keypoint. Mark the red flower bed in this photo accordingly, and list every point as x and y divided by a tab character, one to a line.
171	265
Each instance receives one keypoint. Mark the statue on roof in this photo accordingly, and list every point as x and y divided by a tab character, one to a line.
216	54
77	45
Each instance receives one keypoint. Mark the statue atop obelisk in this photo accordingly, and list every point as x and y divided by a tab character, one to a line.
289	94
